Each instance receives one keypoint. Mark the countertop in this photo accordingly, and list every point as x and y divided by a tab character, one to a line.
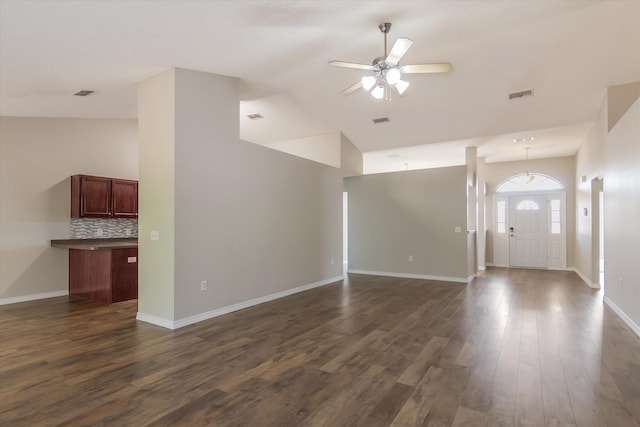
96	244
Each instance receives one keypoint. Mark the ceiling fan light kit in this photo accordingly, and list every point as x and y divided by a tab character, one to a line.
387	72
368	82
378	92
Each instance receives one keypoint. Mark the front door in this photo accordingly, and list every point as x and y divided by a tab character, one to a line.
528	231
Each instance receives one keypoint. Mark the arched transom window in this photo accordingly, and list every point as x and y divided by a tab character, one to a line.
528	205
529	182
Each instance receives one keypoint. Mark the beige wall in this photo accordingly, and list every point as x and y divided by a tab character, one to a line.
590	163
560	168
157	194
37	157
619	99
319	148
396	215
350	157
249	220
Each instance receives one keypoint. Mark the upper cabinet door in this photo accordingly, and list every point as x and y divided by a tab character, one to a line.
124	198
95	197
102	197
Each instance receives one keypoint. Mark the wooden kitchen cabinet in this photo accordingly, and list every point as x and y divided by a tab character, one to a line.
105	275
102	197
124	198
124	274
90	197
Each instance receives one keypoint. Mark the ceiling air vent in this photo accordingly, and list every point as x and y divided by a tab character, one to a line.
522	94
255	116
84	92
381	120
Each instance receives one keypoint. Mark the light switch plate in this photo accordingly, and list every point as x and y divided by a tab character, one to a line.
458	229
155	235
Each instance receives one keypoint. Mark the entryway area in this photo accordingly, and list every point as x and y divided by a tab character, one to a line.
529	227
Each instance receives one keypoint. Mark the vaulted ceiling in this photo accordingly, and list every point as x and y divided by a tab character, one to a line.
568	52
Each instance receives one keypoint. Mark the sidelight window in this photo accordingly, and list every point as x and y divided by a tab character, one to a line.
555	216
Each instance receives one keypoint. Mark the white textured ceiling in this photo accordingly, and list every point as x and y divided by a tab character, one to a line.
567	51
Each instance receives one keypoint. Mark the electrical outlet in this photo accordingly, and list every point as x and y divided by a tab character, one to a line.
127	232
332	261
410	258
203	285
155	235
99	232
621	283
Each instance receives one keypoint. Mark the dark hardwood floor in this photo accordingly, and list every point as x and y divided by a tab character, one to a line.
513	347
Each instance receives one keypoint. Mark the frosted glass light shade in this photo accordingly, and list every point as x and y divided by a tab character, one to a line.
378	92
368	82
393	76
401	86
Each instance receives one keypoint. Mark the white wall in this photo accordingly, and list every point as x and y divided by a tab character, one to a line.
622	216
412	213
37	157
613	156
560	168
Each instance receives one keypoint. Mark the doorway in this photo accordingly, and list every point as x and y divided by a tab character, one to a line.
345	232
535	206
528	231
597	231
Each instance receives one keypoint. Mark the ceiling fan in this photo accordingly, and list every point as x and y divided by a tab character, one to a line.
387	72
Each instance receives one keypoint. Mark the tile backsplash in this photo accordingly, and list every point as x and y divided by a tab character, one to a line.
96	228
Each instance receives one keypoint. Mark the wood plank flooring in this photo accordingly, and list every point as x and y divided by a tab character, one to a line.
512	348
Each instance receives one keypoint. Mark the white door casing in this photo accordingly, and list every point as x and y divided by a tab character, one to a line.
555	226
500	230
528	231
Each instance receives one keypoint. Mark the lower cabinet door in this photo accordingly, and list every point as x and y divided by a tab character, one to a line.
124	274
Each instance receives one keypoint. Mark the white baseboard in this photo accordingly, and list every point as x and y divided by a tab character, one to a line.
158	321
626	319
33	297
412	276
584	278
165	323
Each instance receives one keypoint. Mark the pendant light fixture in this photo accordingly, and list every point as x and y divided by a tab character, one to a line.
531	177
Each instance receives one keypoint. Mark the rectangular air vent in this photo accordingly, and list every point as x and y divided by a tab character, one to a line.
524	93
381	120
255	116
84	92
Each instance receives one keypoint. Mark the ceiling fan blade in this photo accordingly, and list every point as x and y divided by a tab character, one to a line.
354	87
398	50
344	64
426	68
